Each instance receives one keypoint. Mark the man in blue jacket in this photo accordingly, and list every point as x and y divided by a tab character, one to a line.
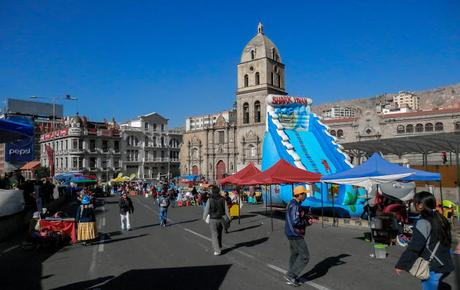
294	228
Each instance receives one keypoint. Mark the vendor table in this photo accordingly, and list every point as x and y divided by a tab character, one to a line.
66	226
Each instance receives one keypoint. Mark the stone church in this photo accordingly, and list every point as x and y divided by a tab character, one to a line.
222	143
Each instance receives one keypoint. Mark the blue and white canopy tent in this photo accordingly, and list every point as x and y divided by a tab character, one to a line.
377	170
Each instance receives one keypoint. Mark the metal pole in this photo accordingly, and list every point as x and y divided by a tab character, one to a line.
239	203
54	112
266	199
322	205
333	207
271	210
369	216
457	163
442	200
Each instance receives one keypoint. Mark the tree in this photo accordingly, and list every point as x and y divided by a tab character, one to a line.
42	172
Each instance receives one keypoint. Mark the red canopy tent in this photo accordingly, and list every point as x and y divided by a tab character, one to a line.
244	173
282	173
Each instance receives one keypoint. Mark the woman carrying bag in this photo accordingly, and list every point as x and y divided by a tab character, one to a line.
217	210
429	249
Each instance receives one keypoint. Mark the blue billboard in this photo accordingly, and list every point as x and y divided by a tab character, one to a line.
22	150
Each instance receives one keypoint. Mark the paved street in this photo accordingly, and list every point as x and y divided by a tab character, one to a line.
179	256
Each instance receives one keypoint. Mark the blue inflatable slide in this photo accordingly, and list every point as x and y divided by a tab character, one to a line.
296	135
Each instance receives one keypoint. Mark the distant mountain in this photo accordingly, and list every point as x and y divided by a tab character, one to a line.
442	98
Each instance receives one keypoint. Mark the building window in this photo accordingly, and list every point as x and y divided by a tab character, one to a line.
116	146
272	78
428	127
221	137
154	127
257	78
438	126
410	128
340	133
162	141
92	145
333	133
245	113
146	144
419	128
92	163
257	112
253	54
75	162
400	129
279	80
146	126
74	144
105	146
246	80
457	126
162	127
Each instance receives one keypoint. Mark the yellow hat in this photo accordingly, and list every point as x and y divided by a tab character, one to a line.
300	189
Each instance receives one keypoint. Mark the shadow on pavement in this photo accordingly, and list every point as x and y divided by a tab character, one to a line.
191	278
323	267
243	216
243	229
22	269
245	244
109	241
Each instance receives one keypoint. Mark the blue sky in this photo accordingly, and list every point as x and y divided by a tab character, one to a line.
178	58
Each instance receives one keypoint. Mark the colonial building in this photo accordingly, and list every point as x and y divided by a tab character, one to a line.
232	139
79	145
150	149
371	126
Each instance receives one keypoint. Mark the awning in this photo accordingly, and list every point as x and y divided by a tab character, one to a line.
282	172
423	143
244	173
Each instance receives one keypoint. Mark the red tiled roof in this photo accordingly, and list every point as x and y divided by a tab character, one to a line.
422	113
30	165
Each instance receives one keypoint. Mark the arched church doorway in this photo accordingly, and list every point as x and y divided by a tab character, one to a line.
220	170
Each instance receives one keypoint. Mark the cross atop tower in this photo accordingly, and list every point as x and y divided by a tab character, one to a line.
260	28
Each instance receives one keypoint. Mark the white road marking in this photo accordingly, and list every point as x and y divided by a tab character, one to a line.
10	249
100	247
197	234
282	271
93	260
310	283
103	221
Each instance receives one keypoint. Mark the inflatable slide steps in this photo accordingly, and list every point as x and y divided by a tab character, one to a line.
305	152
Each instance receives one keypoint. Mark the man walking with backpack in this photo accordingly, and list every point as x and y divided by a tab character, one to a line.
164	204
296	222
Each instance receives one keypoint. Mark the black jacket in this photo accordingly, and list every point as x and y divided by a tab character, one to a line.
216	207
126	205
421	245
